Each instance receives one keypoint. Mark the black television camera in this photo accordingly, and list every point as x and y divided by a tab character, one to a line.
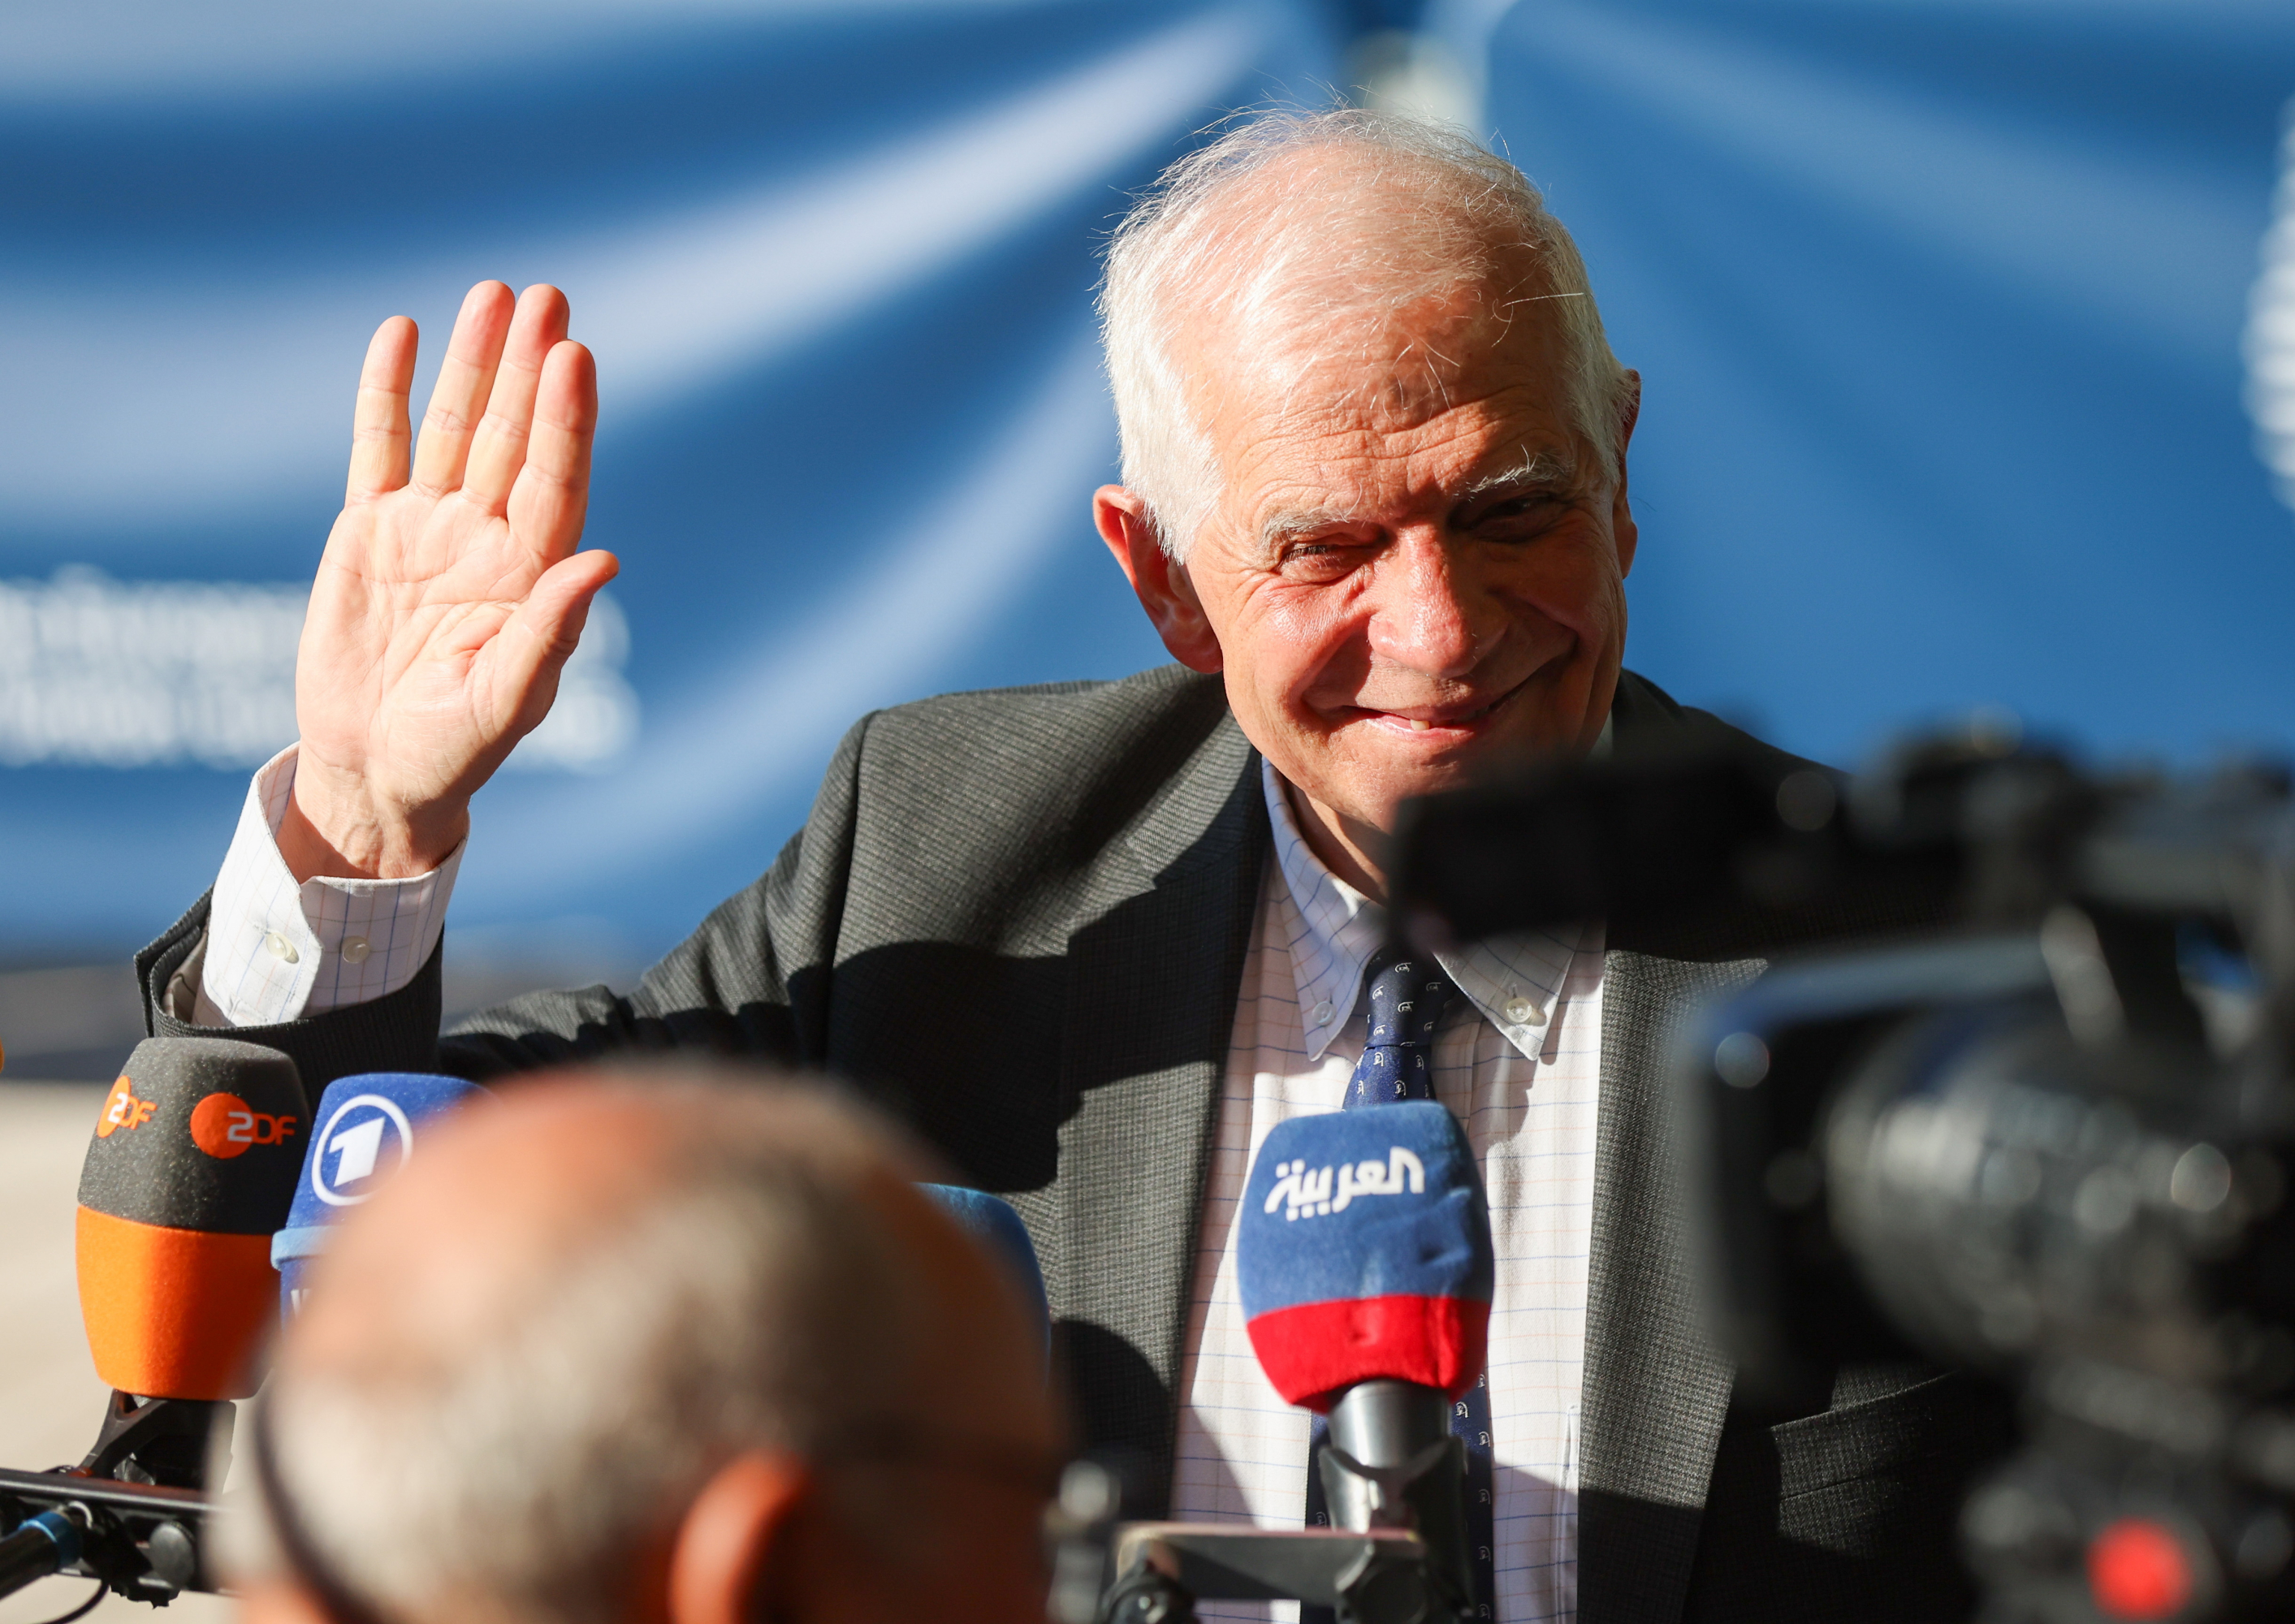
2036	1119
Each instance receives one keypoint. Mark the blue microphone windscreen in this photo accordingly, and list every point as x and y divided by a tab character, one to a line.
993	1222
1363	1251
366	1128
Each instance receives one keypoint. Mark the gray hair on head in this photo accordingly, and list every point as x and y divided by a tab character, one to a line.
1297	257
754	1298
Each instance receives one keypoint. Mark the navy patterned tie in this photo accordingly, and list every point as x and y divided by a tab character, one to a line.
1407	999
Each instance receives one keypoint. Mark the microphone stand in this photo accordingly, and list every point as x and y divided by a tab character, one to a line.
1392	1462
1376	1576
1395	1479
133	1514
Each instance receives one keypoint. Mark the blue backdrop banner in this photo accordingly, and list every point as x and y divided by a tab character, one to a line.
1967	338
835	260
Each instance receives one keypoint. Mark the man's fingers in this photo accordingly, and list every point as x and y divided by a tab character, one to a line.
539	638
465	377
499	448
551	494
556	607
379	436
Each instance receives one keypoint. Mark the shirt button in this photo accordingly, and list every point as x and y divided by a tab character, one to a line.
1523	1011
355	950
1320	1014
281	948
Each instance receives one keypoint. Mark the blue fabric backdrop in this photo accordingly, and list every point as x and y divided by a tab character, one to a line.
1940	305
834	261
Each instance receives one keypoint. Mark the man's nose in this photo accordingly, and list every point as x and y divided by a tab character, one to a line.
1427	614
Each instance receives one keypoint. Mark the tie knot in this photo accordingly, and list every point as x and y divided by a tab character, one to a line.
1407	996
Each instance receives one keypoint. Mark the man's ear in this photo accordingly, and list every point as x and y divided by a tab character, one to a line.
1165	589
1626	534
718	1560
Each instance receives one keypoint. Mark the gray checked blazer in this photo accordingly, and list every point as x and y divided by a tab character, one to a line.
1018	920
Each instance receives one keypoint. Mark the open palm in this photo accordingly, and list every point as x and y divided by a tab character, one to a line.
451	593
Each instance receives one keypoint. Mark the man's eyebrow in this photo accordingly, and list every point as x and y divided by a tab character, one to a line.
1281	525
1535	470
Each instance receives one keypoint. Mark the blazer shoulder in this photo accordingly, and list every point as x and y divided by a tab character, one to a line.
1647	717
1132	704
1020	787
1026	748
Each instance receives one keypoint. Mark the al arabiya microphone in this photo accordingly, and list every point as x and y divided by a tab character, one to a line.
1364	1254
366	1131
1367	1267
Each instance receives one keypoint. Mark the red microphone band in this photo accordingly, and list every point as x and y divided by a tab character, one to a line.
1314	1351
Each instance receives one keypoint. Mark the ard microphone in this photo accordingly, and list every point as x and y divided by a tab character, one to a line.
1367	1268
993	1222
366	1129
191	1168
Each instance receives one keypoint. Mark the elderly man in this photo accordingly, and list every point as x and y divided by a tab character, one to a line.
1093	941
681	1353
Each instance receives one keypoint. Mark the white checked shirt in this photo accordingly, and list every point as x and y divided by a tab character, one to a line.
276	950
1518	1061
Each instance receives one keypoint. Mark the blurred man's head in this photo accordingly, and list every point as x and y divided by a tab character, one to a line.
1373	457
684	1351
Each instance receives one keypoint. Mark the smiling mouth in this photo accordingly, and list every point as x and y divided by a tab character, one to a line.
1462	719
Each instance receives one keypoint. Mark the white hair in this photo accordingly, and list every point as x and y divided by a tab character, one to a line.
754	1299
1306	253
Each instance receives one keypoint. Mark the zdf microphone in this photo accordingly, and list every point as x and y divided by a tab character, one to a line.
191	1168
364	1130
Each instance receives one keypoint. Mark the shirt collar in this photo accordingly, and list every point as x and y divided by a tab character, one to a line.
1336	930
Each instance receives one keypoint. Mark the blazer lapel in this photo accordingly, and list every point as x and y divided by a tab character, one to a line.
1656	1389
1153	963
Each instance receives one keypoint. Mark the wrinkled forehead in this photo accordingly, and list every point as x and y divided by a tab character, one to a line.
1386	368
1431	392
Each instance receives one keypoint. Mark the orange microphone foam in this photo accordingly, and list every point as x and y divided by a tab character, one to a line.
134	1278
193	1164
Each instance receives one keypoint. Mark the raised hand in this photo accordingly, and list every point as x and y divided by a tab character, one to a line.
450	594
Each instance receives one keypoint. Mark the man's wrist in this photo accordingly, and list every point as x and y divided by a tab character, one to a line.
279	948
330	831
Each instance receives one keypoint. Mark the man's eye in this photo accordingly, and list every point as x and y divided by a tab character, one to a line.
1519	514
1317	558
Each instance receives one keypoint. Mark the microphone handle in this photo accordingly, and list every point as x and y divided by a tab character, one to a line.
1392	1463
46	1544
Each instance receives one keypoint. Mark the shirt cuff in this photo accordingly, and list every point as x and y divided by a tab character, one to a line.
277	951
